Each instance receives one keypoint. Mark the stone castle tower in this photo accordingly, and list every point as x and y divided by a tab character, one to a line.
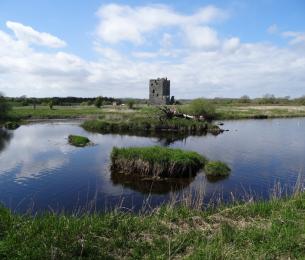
159	91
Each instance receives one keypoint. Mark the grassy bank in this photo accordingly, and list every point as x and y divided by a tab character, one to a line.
156	161
260	230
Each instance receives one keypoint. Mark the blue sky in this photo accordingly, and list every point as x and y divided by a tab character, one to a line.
207	48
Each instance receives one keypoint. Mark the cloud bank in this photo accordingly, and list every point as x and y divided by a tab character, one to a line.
186	48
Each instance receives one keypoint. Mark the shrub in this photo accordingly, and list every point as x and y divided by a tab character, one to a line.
216	168
201	107
79	141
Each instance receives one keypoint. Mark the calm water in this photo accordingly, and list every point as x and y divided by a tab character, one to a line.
39	170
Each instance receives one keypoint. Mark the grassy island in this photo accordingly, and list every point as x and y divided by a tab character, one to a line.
259	230
77	140
156	161
216	168
150	126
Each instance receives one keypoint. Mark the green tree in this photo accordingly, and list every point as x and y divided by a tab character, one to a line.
201	107
268	99
4	107
130	103
51	104
244	99
98	102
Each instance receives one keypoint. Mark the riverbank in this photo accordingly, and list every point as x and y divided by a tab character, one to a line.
106	112
266	229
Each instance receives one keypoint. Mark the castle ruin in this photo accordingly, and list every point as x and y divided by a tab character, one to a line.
159	91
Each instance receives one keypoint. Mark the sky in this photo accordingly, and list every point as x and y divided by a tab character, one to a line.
103	48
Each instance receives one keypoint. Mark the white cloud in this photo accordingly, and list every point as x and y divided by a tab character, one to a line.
201	37
272	29
166	41
124	23
296	37
231	44
28	35
207	66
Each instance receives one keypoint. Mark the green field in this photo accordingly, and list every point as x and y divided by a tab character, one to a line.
222	112
260	230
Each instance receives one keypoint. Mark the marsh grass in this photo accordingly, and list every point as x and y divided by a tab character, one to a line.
156	161
150	125
77	140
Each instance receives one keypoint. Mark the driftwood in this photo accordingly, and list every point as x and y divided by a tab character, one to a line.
169	113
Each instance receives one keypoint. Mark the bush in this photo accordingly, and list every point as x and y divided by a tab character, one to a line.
216	168
201	107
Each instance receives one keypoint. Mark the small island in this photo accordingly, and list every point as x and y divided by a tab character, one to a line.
216	169
78	141
156	161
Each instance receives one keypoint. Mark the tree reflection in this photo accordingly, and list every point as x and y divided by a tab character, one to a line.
5	137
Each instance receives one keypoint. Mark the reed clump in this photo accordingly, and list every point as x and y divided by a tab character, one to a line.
156	161
217	169
77	140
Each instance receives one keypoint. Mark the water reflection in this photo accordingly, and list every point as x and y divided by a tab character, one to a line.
150	186
216	178
5	137
38	167
34	151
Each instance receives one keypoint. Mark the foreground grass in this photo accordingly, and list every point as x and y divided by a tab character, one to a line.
156	161
260	230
